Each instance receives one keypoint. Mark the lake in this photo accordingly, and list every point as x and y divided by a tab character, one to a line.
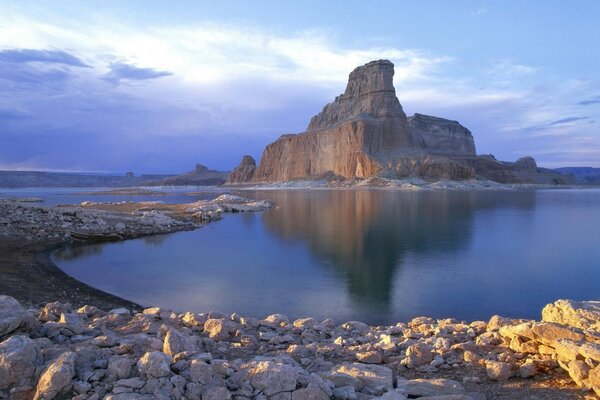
376	256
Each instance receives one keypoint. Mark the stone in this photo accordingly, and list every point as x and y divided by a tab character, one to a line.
372	376
219	328
277	320
176	342
56	377
527	370
418	355
119	367
566	350
577	314
396	394
370	357
244	172
430	387
155	364
20	359
200	372
11	314
498	371
344	393
272	377
73	322
309	393
548	332
590	350
52	311
216	393
578	371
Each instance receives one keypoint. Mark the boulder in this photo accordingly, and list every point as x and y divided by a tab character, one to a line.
11	314
20	359
577	314
219	328
155	364
309	393
418	355
272	377
498	371
56	377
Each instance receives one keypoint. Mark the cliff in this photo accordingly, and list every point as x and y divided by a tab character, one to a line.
365	132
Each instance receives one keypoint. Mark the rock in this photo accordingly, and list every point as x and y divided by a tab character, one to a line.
370	357
498	371
590	350
56	377
52	311
276	320
396	394
439	135
20	359
11	314
344	393
73	322
155	364
372	376
176	342
216	393
579	372
418	354
430	387
548	332
363	132
272	377
119	367
219	328
577	314
243	172
200	372
309	393
527	370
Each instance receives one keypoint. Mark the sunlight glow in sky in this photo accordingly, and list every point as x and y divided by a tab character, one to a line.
160	86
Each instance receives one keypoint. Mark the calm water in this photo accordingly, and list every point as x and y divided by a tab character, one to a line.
374	256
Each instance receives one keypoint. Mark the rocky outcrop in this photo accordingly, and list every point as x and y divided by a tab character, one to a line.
243	172
88	353
200	176
440	136
364	132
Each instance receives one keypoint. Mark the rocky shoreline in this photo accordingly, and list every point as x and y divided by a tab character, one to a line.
86	353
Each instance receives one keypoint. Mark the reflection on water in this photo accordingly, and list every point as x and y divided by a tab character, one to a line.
364	235
376	256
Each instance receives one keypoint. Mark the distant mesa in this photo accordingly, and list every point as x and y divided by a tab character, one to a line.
200	176
364	133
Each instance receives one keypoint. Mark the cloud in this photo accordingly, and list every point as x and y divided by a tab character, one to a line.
566	120
593	100
123	71
40	56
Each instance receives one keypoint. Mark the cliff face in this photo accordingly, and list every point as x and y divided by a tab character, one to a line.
365	131
439	135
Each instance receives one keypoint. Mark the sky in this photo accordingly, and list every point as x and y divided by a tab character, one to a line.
158	86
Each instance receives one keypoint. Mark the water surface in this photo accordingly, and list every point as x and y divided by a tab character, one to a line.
375	256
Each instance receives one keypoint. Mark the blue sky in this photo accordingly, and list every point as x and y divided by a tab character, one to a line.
159	86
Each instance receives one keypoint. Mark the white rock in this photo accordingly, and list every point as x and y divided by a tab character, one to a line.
11	314
56	377
20	359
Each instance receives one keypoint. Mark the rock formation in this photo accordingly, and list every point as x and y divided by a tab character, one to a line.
365	132
243	172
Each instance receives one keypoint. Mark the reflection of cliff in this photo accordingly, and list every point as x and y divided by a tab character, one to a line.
366	234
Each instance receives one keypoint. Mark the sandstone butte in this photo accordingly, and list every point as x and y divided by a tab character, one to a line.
365	133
